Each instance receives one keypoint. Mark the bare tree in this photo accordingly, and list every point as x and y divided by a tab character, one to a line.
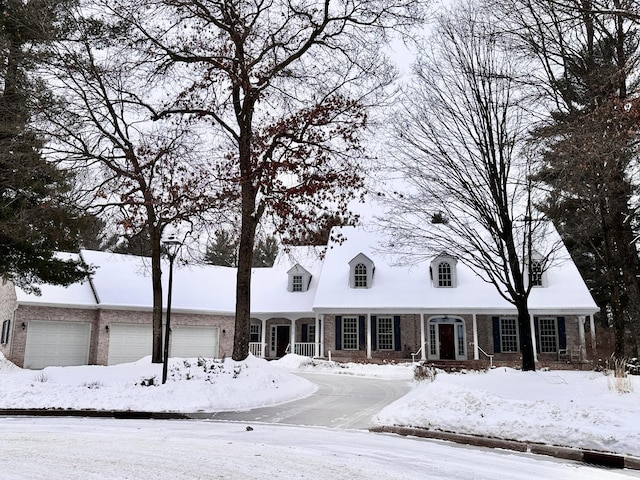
146	175
466	189
589	53
285	87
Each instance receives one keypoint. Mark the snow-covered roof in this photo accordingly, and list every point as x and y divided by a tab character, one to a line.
124	282
409	288
78	295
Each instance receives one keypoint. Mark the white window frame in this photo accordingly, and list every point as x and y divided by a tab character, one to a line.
536	271
512	338
296	283
385	333
360	275
548	340
445	278
311	333
350	336
255	329
459	337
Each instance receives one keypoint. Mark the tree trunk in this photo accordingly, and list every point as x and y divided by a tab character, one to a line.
156	282
526	338
243	278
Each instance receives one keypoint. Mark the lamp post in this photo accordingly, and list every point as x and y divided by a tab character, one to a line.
171	246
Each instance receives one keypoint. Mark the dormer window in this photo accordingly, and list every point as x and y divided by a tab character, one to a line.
360	276
444	274
537	272
361	271
444	271
299	279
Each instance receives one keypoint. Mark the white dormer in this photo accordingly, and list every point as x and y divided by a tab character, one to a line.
299	279
361	271
444	271
537	271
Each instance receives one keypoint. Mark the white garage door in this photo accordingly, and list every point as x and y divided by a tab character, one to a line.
194	341
57	343
128	342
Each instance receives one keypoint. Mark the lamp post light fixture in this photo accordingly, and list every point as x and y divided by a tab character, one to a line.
171	246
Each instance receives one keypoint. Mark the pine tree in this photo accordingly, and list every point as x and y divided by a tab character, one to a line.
36	217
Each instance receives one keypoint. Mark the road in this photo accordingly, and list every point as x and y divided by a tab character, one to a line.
341	401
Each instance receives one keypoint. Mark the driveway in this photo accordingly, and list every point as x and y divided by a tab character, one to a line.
341	401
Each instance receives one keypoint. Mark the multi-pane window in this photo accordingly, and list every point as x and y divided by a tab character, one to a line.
444	274
311	333
360	276
296	283
460	332
254	332
508	335
548	335
432	340
385	333
350	333
535	273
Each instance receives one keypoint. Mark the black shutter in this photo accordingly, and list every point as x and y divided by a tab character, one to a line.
396	333
536	327
562	334
374	333
361	332
304	334
496	334
338	332
4	338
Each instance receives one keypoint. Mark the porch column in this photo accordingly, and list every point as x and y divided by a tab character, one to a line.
583	343
368	334
476	353
322	335
592	326
292	342
316	347
423	343
263	337
533	337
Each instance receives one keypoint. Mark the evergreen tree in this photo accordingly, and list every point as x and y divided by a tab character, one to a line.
36	216
222	250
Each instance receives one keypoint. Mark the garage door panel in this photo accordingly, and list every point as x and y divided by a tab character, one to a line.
57	343
187	341
129	342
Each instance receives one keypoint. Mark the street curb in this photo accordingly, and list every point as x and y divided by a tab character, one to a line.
592	457
123	414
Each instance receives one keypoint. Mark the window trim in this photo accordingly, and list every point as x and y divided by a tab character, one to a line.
445	276
555	335
354	336
360	272
516	335
388	335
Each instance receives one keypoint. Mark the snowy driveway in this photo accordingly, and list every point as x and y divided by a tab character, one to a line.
341	401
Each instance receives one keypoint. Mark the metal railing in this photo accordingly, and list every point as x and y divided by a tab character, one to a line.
414	355
490	357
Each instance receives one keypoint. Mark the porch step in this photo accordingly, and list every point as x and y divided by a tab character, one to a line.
456	365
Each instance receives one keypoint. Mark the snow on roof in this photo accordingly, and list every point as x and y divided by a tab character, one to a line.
124	282
409	288
76	295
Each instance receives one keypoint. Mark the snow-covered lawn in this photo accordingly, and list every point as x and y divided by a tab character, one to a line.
569	408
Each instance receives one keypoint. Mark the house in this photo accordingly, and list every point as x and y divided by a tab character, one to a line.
349	301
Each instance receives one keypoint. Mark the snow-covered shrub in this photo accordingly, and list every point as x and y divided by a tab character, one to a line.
633	366
423	373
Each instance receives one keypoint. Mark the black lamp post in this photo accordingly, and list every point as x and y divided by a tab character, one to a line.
171	246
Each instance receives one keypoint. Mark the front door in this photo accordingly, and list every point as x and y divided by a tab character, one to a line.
447	343
283	338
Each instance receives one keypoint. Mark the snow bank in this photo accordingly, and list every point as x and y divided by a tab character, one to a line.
568	408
